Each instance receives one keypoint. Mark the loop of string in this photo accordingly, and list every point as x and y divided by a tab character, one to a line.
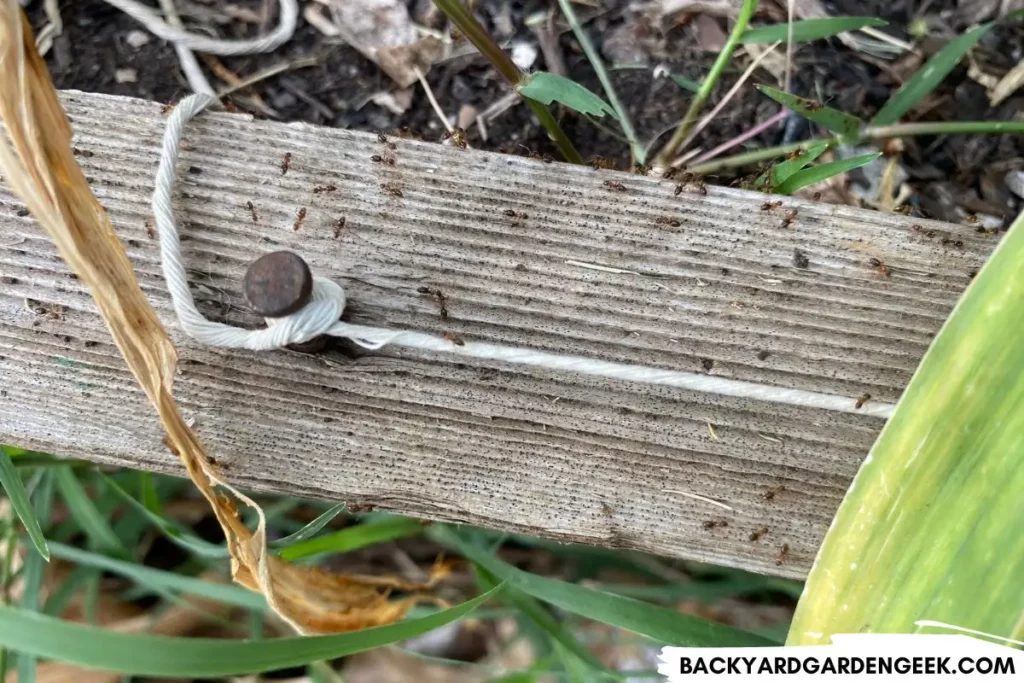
288	14
321	316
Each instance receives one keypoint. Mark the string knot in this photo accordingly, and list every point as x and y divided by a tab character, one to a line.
312	320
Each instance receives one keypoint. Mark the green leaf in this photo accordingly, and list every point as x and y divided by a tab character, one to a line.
59	599
808	29
685	83
86	515
310	529
546	88
928	77
161	580
15	490
659	623
782	171
354	537
148	655
33	573
171	529
540	617
816	174
931	526
834	120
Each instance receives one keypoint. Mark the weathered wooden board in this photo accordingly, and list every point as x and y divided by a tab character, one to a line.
561	456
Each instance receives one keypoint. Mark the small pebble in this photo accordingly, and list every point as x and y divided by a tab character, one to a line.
126	75
137	39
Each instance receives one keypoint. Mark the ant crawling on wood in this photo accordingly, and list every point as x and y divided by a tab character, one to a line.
392	189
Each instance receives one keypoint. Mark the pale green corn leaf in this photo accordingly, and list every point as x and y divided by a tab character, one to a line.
931	528
817	174
843	124
809	29
546	88
928	77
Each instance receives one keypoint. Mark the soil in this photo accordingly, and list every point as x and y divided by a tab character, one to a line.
951	176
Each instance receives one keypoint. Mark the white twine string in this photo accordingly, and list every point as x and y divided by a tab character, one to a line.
288	14
321	316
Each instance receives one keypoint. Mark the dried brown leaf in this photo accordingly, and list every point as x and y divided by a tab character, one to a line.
38	164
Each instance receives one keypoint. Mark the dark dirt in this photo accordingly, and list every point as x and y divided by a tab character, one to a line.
950	175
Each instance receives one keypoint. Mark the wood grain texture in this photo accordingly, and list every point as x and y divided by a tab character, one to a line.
566	457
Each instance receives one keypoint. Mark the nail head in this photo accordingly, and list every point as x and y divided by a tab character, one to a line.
278	284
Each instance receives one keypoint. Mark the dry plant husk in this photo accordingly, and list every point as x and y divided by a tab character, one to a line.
38	164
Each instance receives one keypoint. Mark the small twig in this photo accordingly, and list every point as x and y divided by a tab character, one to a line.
886	38
669	151
270	72
232	79
500	106
433	101
543	27
743	137
53	28
728	97
636	149
478	35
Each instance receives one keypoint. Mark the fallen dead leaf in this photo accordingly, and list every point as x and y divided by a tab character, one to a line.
1008	84
708	35
38	165
714	8
395	101
383	32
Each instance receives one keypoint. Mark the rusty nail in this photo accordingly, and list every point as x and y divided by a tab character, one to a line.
278	284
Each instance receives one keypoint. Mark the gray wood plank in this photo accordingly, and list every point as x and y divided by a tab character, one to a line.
710	286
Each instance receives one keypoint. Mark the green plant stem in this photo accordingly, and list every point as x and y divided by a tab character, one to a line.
869	133
460	15
637	149
664	158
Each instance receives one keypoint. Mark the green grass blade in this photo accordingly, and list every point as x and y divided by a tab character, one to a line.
928	77
33	573
86	515
171	529
148	655
782	171
832	119
353	537
310	529
817	174
59	599
808	29
931	526
685	83
16	493
546	88
656	622
161	580
540	617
